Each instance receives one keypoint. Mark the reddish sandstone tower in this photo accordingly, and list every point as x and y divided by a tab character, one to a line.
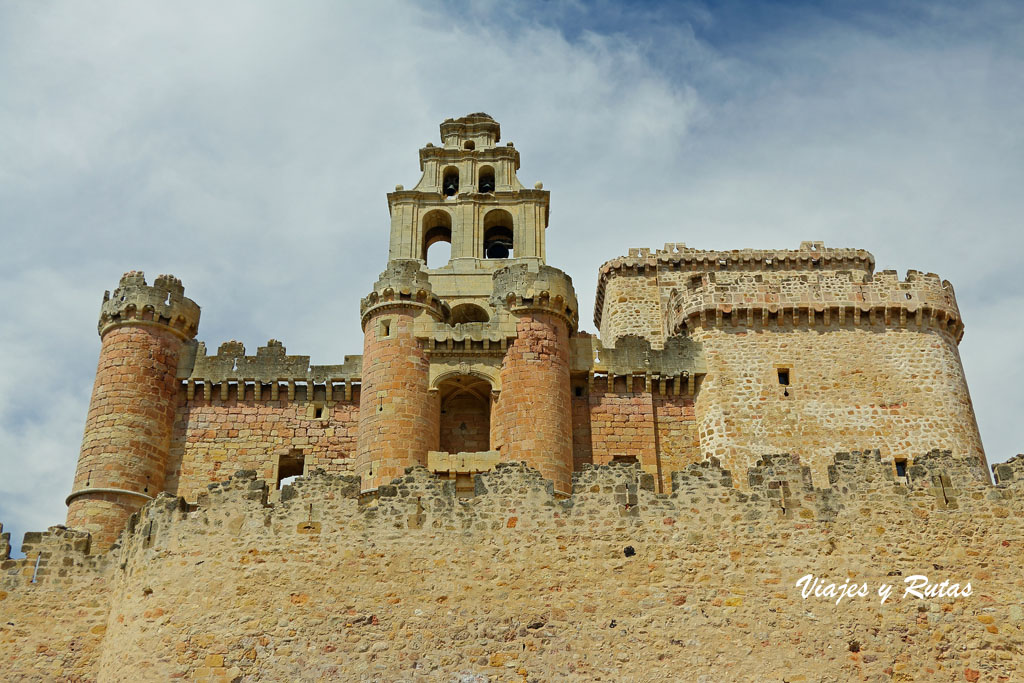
535	415
128	430
467	358
398	415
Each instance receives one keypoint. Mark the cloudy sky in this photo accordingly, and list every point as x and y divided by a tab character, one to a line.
246	147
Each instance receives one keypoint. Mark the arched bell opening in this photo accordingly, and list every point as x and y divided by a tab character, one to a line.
465	424
499	236
486	182
469	313
437	230
450	181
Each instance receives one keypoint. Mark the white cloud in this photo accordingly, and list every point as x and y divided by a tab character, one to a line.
247	147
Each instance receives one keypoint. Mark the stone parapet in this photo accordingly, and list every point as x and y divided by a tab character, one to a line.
271	366
418	558
810	256
405	283
817	299
164	303
681	361
523	287
1010	472
438	461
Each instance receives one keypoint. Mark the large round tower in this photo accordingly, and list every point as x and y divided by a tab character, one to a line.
533	421
128	430
398	415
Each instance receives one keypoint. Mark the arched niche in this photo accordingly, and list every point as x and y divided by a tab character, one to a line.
499	235
437	230
450	181
485	179
465	413
469	313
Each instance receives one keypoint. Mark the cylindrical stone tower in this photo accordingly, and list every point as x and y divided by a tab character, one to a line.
534	414
128	430
398	415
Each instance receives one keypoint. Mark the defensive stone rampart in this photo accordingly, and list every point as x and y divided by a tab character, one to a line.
817	300
162	303
516	582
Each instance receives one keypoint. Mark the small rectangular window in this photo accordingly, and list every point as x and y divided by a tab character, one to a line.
385	329
318	412
901	468
290	466
784	376
579	391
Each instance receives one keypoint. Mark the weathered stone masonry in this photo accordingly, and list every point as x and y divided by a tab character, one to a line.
616	582
487	491
732	355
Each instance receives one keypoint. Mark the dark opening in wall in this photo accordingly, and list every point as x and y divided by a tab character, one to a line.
450	184
470	145
901	468
579	391
437	238
486	179
290	466
784	376
318	412
499	235
469	313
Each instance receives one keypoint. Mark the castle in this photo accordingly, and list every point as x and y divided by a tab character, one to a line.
489	494
732	355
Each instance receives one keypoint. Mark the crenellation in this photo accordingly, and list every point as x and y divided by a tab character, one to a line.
527	286
1011	472
490	492
162	303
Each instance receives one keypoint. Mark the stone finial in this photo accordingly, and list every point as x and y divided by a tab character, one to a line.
135	302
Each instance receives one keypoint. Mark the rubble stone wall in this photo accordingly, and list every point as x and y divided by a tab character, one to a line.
617	582
902	391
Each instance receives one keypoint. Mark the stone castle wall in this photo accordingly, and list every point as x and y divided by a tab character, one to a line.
901	390
616	582
658	430
807	351
214	438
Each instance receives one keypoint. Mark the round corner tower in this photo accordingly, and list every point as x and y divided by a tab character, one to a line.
534	416
127	437
398	415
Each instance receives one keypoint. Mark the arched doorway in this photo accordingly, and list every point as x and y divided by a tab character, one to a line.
465	414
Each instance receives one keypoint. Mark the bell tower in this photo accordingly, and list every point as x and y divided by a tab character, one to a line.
466	363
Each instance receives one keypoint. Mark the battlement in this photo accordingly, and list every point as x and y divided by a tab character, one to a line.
778	486
530	286
405	282
163	303
678	258
57	555
674	367
1011	472
847	297
270	370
